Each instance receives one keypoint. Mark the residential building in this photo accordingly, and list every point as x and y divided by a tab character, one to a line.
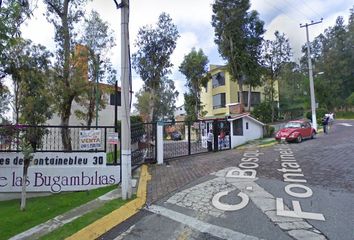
221	101
180	113
221	96
106	115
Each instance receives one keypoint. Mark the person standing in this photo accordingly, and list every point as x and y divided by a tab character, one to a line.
325	120
210	140
330	120
222	139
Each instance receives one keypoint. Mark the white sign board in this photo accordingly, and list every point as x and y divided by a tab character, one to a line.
56	172
90	139
112	138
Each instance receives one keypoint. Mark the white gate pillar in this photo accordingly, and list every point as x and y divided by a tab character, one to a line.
159	142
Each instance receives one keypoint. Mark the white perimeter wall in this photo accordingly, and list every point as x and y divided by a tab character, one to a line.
254	131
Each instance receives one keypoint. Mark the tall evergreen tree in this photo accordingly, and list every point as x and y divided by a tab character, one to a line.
275	54
152	60
194	68
238	34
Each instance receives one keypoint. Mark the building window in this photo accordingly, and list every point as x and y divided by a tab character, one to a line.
246	125
219	101
255	98
218	79
112	99
237	127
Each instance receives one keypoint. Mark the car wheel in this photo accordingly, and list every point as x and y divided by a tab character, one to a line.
313	135
299	139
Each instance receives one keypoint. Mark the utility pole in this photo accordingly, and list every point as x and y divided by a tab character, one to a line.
312	87
125	80
97	90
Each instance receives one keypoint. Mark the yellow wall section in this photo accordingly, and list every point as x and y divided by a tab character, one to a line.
230	89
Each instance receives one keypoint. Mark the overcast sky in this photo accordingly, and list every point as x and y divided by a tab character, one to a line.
193	20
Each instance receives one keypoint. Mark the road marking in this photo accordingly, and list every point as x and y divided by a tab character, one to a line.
228	207
199	197
345	124
200	226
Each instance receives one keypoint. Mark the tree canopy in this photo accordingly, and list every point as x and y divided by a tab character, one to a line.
276	53
332	56
165	99
64	15
98	40
194	68
152	60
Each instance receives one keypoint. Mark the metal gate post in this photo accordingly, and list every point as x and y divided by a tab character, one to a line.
189	138
229	134
159	142
216	135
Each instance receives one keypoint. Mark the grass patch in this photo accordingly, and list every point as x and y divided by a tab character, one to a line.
268	143
41	209
344	115
85	220
110	157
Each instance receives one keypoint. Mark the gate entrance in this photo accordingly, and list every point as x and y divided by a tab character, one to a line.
188	138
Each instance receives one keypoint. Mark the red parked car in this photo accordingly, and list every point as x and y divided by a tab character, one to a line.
296	131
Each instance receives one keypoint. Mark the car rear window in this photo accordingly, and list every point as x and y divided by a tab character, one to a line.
293	125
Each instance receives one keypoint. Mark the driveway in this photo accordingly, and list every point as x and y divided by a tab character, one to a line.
287	191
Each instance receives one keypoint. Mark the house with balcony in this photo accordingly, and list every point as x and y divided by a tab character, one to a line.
221	100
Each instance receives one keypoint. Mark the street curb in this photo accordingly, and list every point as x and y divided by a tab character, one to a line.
103	225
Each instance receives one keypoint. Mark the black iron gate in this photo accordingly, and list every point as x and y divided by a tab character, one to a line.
49	139
144	146
188	138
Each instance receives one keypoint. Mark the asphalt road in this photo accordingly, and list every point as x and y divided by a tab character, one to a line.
287	191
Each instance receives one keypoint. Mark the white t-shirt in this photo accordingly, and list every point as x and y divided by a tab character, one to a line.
210	137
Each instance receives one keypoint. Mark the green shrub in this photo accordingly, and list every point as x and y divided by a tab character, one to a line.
268	131
263	112
344	115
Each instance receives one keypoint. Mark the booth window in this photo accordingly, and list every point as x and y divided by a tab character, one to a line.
237	127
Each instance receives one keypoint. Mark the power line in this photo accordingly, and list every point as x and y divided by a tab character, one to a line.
308	6
279	9
297	10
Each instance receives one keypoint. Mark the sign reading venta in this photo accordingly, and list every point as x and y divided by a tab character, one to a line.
56	172
90	139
